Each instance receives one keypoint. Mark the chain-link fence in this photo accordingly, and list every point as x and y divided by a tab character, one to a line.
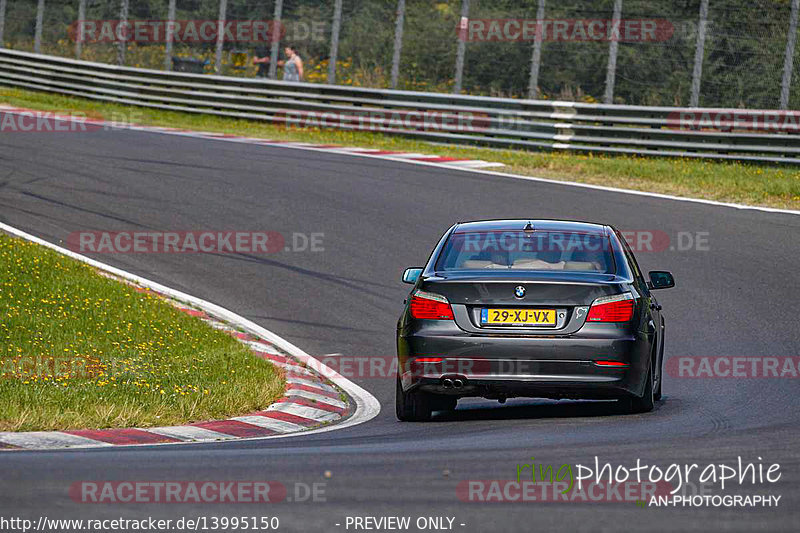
711	53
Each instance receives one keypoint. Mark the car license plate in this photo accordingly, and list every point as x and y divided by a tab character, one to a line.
518	317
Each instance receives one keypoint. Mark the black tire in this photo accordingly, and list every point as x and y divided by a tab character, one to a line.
646	402
414	406
660	362
657	393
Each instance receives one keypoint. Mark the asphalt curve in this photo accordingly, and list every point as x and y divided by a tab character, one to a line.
738	297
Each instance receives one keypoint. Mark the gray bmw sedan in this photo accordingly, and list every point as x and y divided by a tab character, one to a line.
536	308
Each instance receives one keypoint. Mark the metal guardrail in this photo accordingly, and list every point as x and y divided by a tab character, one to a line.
457	119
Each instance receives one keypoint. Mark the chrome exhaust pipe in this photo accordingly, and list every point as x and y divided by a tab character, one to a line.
447	383
457	383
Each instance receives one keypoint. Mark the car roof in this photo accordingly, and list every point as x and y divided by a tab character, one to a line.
518	224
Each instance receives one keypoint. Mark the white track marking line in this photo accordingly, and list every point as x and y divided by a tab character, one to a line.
189	433
262	347
473	163
281	426
316	397
49	439
293	368
316	384
304	411
348	149
404	155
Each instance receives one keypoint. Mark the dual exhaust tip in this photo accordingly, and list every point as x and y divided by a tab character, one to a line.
454	383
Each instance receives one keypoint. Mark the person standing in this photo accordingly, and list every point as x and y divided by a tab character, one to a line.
261	59
293	66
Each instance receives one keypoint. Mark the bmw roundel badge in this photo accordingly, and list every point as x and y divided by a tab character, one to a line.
519	291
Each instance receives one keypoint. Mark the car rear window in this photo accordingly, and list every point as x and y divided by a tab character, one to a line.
521	250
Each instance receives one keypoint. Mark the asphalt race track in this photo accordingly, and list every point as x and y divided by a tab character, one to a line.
740	297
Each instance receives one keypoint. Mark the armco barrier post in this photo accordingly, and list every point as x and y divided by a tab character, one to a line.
79	33
699	53
788	62
611	71
122	46
533	82
2	21
462	46
37	37
223	9
398	41
170	36
337	23
275	39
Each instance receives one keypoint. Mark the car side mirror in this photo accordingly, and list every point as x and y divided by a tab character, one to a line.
660	279
411	275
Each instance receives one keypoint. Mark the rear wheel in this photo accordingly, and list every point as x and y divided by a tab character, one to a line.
660	362
646	402
412	406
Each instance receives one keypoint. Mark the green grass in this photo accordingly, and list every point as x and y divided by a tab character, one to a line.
81	350
752	184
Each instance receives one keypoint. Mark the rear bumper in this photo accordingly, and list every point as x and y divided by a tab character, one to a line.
549	367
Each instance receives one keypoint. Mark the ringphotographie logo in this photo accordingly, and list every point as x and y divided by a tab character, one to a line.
566	30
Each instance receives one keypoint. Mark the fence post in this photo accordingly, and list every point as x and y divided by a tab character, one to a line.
2	21
699	53
122	46
398	41
337	22
79	30
788	62
611	73
223	9
533	83
275	38
170	36
37	37
462	46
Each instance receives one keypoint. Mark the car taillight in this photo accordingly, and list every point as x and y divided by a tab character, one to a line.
617	308
429	306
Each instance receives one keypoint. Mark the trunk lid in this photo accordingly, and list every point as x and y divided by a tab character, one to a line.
473	295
